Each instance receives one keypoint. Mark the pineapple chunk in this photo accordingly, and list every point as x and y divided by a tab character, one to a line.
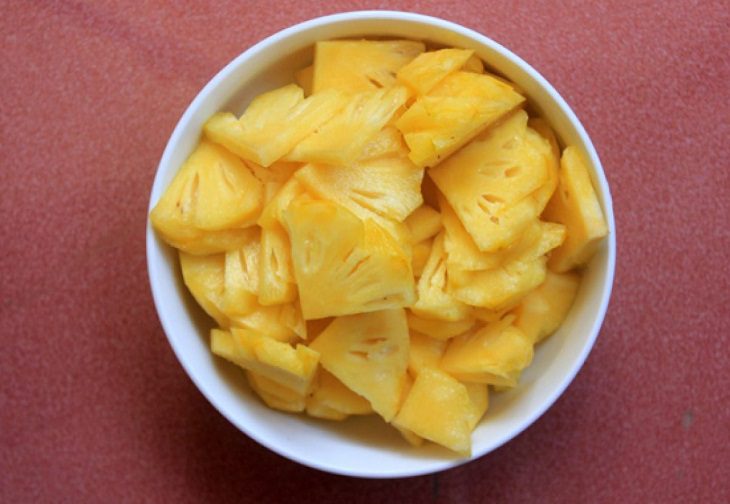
331	399
473	64
484	181
241	278
479	398
276	275
429	68
275	395
437	125
385	143
282	322
204	276
439	329
212	195
343	139
438	408
368	353
272	214
425	352
423	223
542	311
434	301
499	349
273	178
420	253
273	123
354	66
343	265
576	205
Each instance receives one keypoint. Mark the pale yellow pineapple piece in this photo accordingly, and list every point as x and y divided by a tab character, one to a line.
354	66
272	214
423	223
479	398
211	197
342	139
575	205
282	322
410	437
429	68
276	272
343	265
275	395
472	84
273	177
368	353
498	350
420	253
438	408
385	143
331	399
425	352
241	276
434	300
462	253
542	311
274	123
440	329
204	276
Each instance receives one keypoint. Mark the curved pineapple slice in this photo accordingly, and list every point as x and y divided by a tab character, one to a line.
423	223
274	395
440	329
240	295
343	265
429	68
387	142
485	181
273	123
204	276
542	311
368	352
212	195
331	399
353	66
576	205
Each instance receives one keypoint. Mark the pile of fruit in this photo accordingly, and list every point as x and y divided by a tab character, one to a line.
393	234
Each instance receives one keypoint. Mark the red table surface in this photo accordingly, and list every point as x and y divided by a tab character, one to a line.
94	406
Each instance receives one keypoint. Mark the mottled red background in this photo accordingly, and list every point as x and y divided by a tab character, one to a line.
95	408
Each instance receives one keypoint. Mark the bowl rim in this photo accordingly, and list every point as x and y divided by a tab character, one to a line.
481	39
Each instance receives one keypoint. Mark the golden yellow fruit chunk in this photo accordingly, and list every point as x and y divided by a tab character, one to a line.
369	354
542	311
440	329
331	399
575	205
241	276
423	223
429	68
479	398
420	253
425	352
276	395
204	276
282	322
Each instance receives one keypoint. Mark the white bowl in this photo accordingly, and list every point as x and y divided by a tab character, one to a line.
364	446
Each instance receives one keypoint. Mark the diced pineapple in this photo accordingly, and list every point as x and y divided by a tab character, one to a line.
474	85
423	223
499	349
429	68
434	301
212	195
360	65
343	265
332	399
437	125
279	322
342	139
421	252
576	205
479	397
273	123
204	276
273	177
473	64
385	143
425	352
440	329
276	275
368	353
542	311
276	395
241	282
438	408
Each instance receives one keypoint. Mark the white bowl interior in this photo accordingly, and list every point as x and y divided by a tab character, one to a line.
364	446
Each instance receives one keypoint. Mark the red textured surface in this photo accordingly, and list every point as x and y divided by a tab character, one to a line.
93	404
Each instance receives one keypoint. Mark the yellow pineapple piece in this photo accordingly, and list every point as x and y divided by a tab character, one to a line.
385	143
272	214
368	352
204	276
499	349
438	408
434	300
275	395
425	352
282	322
276	275
410	437
484	181
343	139
440	329
241	276
479	398
421	252
437	125
273	123
473	64
575	205
546	191
354	66
273	177
304	78
429	68
542	311
331	399
472	84
423	223
212	195
343	265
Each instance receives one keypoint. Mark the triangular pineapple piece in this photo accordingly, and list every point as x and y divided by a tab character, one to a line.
423	223
368	353
479	397
275	395
273	177
484	181
419	256
343	265
273	123
276	272
360	65
473	64
434	301
437	125
342	139
240	295
576	205
425	352
385	143
499	349
440	329
542	311
282	322
438	408
472	84
332	399
204	276
429	68
212	194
